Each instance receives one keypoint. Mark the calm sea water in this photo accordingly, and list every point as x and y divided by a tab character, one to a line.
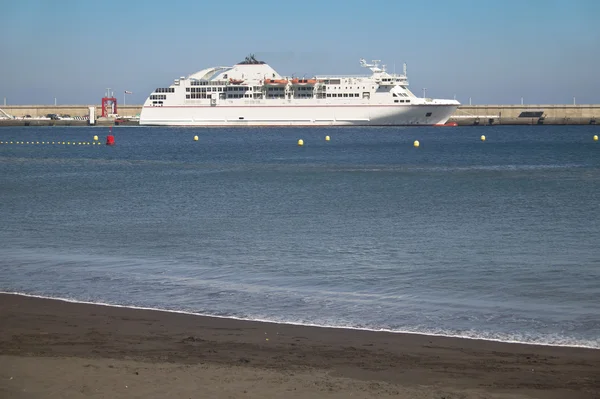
497	240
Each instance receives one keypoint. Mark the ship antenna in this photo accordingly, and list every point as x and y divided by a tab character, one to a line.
404	69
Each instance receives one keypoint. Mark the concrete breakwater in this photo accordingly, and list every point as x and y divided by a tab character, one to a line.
37	111
466	115
544	114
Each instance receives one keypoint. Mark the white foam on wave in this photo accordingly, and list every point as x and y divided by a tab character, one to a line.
562	342
499	168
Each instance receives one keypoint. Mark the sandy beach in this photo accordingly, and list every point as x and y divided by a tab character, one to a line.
57	349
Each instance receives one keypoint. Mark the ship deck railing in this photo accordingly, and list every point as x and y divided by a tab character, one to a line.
341	76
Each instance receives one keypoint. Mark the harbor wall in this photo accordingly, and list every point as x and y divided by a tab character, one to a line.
34	111
532	114
466	115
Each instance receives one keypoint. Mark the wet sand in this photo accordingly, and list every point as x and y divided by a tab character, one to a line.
57	349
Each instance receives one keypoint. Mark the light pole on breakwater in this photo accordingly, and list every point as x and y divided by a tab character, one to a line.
124	93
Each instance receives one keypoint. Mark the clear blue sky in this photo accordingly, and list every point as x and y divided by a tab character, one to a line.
495	52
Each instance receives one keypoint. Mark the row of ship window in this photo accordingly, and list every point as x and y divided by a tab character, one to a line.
235	88
221	89
345	87
240	88
216	89
196	94
257	95
222	96
204	96
206	83
226	83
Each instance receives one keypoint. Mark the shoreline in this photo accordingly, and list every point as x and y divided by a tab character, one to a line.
463	122
271	358
465	115
287	323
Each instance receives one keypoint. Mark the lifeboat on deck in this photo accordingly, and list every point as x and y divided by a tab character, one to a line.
236	81
303	82
276	82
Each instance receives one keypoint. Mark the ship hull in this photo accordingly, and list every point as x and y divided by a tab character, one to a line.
298	115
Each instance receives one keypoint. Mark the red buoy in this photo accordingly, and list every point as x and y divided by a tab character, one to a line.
110	140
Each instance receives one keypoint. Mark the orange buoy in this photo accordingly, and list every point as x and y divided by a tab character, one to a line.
110	140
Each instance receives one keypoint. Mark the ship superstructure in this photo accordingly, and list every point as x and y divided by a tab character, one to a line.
252	93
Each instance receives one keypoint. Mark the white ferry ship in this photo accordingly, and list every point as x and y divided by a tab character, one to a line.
251	93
